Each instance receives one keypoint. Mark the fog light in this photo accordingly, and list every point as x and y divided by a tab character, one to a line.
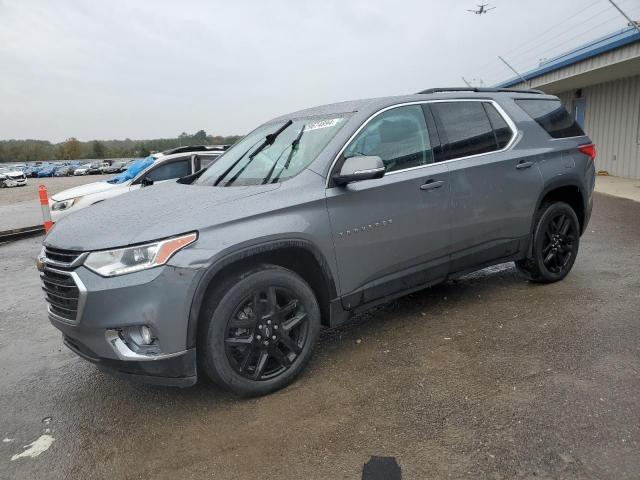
146	335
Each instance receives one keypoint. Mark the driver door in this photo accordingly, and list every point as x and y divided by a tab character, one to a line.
391	234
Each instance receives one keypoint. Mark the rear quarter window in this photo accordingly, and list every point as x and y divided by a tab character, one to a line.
552	116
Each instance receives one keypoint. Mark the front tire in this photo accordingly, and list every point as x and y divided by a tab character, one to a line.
556	239
259	330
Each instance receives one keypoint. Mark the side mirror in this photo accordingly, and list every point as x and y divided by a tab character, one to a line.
355	169
146	182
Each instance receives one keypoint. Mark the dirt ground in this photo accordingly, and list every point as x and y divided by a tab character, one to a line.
53	184
485	377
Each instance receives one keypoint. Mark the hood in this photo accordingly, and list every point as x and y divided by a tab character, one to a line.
151	213
12	173
82	190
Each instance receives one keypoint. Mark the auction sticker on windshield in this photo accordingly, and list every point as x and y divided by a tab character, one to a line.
330	122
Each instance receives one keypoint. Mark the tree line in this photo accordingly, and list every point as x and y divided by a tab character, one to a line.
74	149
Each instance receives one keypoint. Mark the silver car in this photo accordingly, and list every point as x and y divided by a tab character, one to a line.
312	217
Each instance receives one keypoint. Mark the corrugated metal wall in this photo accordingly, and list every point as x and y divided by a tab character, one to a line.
612	120
612	114
604	60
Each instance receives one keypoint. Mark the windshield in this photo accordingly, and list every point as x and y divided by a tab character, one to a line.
133	170
292	150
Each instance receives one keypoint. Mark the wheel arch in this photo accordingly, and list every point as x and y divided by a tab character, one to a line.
300	256
568	192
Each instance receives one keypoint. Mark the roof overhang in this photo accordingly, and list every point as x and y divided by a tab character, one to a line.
610	58
627	68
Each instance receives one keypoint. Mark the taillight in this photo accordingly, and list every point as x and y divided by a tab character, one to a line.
589	149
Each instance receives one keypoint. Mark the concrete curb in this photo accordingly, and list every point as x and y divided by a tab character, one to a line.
19	233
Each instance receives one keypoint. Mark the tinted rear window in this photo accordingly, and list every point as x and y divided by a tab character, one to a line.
464	129
552	116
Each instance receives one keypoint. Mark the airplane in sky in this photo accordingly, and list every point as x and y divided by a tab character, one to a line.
481	9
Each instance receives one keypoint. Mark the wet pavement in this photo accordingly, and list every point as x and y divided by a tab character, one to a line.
485	377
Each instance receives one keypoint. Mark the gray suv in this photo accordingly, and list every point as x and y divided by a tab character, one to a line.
310	218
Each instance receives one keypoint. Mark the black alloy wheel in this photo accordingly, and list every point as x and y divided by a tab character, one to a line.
266	333
557	246
258	330
556	240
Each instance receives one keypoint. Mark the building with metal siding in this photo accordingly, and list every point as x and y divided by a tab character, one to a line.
600	84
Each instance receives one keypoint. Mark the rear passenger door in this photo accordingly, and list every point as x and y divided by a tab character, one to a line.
493	191
391	234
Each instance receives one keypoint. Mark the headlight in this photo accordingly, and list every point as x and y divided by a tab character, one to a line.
64	204
111	263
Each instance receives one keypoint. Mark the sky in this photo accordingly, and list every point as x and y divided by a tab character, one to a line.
155	68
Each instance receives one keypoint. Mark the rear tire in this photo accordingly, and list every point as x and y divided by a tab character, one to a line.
556	239
258	330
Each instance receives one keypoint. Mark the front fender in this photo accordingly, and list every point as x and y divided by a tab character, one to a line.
220	261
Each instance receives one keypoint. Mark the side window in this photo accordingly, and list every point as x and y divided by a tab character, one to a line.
168	171
398	136
206	160
552	116
501	130
464	129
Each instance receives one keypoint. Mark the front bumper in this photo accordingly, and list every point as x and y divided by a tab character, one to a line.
15	182
159	298
177	371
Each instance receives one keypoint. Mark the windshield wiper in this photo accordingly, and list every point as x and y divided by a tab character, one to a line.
226	172
294	147
268	140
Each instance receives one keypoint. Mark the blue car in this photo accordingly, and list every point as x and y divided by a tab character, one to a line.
31	171
47	171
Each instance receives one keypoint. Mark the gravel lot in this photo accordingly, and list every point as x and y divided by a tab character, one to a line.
485	377
53	184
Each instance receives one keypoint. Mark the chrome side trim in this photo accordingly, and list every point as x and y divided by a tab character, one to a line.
125	353
511	124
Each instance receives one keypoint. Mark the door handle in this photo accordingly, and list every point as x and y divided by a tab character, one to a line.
430	185
523	165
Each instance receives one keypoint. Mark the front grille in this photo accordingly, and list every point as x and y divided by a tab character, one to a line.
61	292
59	282
61	256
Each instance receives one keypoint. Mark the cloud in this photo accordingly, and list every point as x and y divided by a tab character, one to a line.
155	68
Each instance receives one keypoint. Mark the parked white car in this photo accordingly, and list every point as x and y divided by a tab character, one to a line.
12	177
82	170
142	173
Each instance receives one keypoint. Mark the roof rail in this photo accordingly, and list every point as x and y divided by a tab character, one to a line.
481	90
195	148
